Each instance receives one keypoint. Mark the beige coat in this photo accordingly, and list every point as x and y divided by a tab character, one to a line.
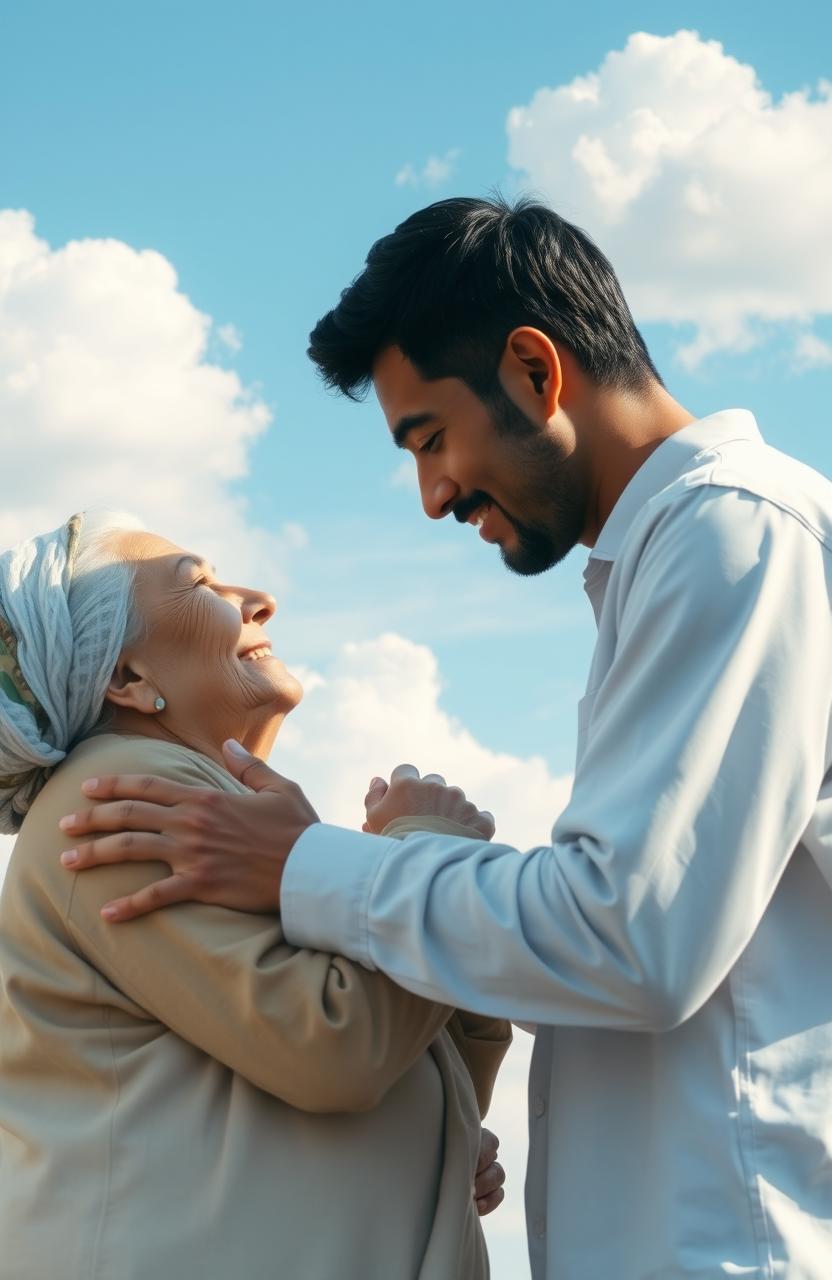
187	1097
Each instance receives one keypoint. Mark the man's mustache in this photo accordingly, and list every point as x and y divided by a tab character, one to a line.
467	506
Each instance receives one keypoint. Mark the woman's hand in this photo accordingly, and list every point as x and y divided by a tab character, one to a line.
488	1185
409	796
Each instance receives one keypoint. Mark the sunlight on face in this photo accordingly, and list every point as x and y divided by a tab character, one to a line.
519	480
203	646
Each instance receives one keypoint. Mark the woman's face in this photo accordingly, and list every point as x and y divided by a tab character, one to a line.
204	647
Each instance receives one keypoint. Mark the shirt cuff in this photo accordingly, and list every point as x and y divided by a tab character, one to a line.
326	887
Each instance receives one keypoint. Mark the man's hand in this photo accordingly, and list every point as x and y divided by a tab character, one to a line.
224	849
408	795
488	1186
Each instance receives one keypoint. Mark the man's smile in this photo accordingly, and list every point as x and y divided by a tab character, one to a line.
488	518
479	515
486	515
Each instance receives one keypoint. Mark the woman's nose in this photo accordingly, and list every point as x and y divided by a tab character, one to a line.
258	606
438	496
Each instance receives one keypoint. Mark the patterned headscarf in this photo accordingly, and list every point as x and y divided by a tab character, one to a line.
12	681
56	660
14	687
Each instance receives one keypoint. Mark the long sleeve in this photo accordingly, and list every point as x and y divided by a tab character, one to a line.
702	757
313	1029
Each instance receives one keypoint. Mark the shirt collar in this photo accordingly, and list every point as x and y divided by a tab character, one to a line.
667	463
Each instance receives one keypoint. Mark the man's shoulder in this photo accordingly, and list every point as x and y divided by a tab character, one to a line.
764	477
734	513
782	480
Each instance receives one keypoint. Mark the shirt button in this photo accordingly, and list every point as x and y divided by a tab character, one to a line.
539	1105
540	1227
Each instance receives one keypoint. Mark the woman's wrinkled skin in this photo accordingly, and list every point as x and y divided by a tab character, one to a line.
225	688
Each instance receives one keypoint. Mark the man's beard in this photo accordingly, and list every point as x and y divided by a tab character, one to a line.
557	488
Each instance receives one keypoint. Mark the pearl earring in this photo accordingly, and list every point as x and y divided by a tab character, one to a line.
160	704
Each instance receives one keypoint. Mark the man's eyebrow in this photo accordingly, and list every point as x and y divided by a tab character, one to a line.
405	425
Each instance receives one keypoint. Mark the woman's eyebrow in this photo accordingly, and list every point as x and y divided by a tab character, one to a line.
197	562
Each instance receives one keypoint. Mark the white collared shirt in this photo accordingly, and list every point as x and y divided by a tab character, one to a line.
674	943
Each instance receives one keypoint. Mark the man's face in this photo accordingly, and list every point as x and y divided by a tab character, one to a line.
521	481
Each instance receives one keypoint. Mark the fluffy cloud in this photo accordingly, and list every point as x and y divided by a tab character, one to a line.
108	397
713	201
379	705
811	352
435	171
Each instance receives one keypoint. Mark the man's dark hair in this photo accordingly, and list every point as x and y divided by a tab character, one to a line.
450	284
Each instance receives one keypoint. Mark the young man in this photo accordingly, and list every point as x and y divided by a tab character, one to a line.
674	942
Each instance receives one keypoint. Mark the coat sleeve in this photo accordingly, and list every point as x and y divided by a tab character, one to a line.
319	1032
482	1042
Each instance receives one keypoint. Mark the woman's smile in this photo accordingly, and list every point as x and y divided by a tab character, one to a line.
257	652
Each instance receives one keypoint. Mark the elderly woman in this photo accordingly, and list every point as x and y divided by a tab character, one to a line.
191	1097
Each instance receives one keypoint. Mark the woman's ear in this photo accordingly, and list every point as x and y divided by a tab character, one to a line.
130	688
531	373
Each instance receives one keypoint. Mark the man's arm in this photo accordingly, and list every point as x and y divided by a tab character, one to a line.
705	752
704	756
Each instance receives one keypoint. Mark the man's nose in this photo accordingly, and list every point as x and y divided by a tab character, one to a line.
438	496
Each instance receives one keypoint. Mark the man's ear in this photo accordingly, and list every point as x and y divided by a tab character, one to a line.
130	688
531	372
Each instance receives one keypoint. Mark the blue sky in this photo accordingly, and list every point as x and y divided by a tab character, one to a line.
257	149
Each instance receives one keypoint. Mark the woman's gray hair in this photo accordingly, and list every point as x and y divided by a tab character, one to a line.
66	612
100	573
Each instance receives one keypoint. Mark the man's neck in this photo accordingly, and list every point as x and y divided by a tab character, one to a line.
623	429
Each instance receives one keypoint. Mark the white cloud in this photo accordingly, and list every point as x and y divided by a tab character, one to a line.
712	200
435	171
107	397
379	705
231	338
294	535
811	352
405	476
